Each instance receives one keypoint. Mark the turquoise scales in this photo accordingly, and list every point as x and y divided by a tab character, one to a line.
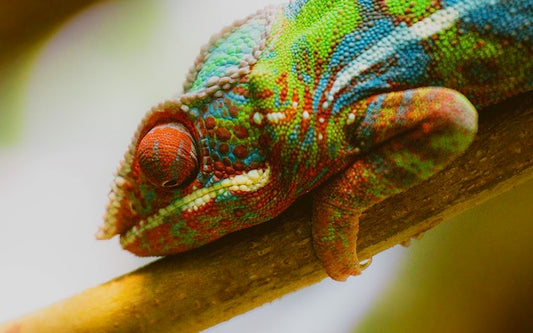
355	100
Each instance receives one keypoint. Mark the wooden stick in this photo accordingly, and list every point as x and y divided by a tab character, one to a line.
200	288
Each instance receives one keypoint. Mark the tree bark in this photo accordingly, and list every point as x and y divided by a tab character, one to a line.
198	289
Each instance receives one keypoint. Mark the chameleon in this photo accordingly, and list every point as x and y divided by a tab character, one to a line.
350	102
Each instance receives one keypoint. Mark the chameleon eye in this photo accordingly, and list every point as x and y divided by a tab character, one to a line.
167	155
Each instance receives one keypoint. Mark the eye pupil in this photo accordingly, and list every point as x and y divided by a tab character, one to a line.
170	183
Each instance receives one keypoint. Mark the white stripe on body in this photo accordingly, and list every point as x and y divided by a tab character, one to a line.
401	35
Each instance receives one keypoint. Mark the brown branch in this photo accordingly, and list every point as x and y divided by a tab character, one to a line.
201	288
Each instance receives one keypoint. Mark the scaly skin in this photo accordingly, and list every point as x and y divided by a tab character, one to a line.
362	99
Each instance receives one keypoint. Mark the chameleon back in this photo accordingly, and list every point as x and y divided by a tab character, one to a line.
350	50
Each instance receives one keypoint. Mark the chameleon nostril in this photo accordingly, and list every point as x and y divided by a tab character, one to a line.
167	155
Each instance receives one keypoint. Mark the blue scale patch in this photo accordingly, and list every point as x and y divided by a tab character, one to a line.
407	67
254	157
505	19
348	50
226	196
293	8
408	70
352	45
237	98
368	5
309	138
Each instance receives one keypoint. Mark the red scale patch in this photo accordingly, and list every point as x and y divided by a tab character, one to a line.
265	94
219	166
240	151
238	212
241	132
264	140
223	134
241	91
210	122
223	148
233	111
239	166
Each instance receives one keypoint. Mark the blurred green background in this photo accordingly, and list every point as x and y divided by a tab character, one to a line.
473	273
76	77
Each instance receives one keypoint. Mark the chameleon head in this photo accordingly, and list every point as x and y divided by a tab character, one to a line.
168	196
200	166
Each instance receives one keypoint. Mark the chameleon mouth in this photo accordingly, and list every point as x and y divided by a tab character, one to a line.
249	181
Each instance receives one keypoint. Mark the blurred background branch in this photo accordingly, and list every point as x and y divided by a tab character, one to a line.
25	22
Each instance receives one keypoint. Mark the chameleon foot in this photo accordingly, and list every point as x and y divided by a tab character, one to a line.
422	131
335	232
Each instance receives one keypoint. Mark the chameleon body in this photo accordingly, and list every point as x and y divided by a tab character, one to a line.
352	100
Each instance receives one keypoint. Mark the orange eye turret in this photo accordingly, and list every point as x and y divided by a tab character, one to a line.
167	155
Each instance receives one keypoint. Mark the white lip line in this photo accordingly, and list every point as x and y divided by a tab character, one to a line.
259	181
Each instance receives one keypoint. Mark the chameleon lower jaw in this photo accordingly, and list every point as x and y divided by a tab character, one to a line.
250	181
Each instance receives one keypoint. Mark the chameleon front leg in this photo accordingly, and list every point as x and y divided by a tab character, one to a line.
410	136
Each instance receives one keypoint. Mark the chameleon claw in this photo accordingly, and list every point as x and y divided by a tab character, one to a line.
365	264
